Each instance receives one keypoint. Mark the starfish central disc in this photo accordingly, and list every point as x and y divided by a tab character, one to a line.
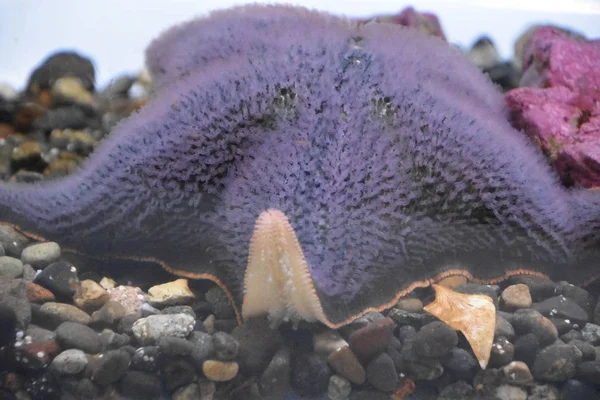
277	280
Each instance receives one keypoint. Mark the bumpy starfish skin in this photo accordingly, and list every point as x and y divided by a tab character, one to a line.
387	152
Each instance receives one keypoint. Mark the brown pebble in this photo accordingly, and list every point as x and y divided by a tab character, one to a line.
220	371
374	338
344	362
56	313
515	297
90	295
37	293
452	282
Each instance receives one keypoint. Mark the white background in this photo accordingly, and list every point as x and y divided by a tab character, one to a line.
114	33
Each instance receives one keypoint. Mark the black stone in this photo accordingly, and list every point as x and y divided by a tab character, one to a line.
275	380
175	346
177	372
435	339
564	308
557	363
111	367
532	321
60	278
589	371
310	374
146	359
59	65
526	348
502	352
577	390
140	385
8	325
405	332
381	373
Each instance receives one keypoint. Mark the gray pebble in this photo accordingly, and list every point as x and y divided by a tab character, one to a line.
70	362
258	343
146	359
460	361
457	391
557	363
339	388
275	380
504	328
150	329
112	340
591	333
508	392
381	373
435	339
111	367
543	392
10	268
140	385
177	373
203	348
71	335
12	241
226	346
41	254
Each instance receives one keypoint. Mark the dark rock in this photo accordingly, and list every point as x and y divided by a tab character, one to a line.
504	328
44	386
258	343
12	242
581	296
179	310
540	288
339	388
112	341
505	74
87	389
274	382
177	373
175	346
562	307
587	350
73	117
8	325
310	374
220	303
381	373
531	321
140	385
225	325
435	339
111	367
60	278
589	371
526	348
71	335
13	296
405	332
502	352
146	359
344	362
461	362
557	363
563	325
126	322
203	348
226	346
571	335
460	390
368	395
577	390
402	317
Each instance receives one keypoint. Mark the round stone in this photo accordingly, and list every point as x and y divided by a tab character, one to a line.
53	314
70	362
226	346
60	278
381	373
41	254
327	342
170	293
310	375
150	329
177	372
410	304
258	344
372	339
557	363
220	371
220	303
531	321
111	367
502	352
339	388
435	339
515	297
10	268
175	346
518	373
72	335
